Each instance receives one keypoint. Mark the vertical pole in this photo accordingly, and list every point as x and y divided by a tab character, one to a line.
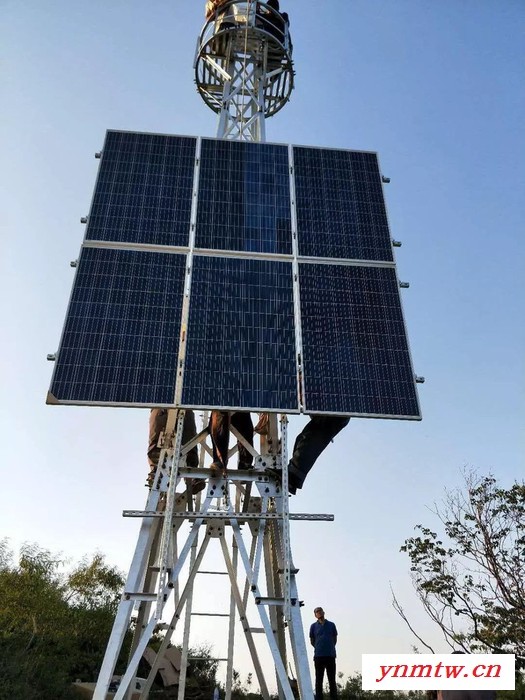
189	601
187	623
274	589
231	627
148	531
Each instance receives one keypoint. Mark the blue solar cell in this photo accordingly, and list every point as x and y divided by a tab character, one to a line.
340	206
355	351
144	190
244	197
121	337
241	337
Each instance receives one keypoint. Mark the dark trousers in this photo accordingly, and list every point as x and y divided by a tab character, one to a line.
157	424
313	439
220	436
322	664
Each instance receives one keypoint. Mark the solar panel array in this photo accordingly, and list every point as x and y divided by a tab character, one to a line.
235	275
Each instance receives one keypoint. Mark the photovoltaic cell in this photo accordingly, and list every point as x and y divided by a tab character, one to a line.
340	206
355	351
244	197
241	337
121	338
144	190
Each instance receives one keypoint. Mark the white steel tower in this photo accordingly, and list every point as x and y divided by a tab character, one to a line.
244	73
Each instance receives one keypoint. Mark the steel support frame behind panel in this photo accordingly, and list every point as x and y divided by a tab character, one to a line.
243	67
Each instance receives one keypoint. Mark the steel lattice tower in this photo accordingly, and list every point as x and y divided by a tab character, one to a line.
244	73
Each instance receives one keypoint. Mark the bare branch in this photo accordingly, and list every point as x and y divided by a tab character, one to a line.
474	572
397	607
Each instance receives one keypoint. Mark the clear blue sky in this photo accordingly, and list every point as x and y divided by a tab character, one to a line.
436	87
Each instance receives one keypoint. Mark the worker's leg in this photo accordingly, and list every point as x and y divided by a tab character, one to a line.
192	457
157	423
189	431
330	674
319	663
243	422
220	432
313	439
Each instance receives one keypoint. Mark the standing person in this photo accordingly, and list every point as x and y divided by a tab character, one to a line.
323	638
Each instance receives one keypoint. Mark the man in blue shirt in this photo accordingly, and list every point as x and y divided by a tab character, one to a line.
323	638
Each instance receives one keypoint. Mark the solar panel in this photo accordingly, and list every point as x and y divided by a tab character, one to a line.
355	351
121	338
144	190
241	335
340	207
235	220
244	197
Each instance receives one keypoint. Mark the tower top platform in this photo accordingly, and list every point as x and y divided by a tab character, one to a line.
238	35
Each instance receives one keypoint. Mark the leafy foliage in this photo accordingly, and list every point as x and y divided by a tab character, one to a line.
201	673
351	690
54	626
473	586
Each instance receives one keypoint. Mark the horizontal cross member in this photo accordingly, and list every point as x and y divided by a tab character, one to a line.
218	515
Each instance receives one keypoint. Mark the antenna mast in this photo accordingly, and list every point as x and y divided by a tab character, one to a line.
243	66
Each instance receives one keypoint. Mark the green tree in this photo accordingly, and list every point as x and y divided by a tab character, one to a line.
351	689
471	578
33	625
54	626
93	593
201	673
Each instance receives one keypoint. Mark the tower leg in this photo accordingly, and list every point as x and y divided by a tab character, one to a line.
145	545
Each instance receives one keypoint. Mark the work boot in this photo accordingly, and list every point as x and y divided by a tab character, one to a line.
277	474
195	485
217	469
